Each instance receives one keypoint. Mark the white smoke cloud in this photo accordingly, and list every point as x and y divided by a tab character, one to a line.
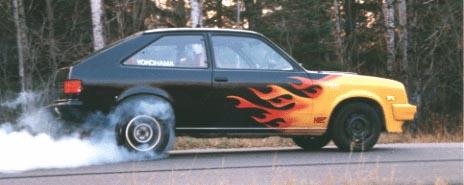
37	140
23	98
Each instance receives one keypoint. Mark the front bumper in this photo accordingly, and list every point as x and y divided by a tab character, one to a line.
69	110
404	112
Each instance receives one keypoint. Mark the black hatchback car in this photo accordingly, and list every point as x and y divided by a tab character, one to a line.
201	82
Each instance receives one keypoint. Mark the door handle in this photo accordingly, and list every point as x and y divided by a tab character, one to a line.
220	79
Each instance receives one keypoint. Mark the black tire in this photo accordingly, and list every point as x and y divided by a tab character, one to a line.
355	127
312	142
145	123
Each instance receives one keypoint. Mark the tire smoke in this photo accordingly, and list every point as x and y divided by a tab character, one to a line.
37	140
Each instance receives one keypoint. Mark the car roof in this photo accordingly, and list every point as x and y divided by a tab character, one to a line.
160	30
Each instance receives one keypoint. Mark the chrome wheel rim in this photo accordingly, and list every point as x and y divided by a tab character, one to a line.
143	133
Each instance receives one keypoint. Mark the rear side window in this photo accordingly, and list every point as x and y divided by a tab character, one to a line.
172	51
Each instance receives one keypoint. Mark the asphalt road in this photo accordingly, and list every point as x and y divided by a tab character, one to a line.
386	163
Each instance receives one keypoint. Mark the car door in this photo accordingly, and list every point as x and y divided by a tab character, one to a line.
256	86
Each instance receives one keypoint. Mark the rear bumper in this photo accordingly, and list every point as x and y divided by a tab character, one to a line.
404	112
69	110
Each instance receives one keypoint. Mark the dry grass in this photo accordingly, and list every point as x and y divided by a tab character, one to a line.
199	143
440	129
223	142
421	138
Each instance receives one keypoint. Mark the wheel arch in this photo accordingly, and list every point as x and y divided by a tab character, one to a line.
144	90
364	99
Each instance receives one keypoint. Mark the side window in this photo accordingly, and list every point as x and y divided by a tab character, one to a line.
172	51
234	52
229	59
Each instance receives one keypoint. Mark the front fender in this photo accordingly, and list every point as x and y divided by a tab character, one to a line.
391	125
357	94
326	105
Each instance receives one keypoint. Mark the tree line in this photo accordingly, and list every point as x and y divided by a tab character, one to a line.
418	42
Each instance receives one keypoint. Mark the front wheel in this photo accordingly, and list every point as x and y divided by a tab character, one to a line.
145	123
356	127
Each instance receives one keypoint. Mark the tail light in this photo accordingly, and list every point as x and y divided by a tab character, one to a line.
72	87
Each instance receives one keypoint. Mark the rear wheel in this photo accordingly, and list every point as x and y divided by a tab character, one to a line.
145	123
312	142
356	127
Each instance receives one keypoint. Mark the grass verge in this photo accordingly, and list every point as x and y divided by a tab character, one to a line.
185	142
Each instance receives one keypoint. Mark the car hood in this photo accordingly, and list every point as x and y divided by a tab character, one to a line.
360	80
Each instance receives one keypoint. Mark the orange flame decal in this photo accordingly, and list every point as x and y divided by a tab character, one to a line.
286	108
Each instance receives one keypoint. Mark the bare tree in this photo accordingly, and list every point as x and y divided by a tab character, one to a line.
97	24
22	43
403	35
389	16
238	9
338	34
219	14
350	54
51	34
196	13
120	18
